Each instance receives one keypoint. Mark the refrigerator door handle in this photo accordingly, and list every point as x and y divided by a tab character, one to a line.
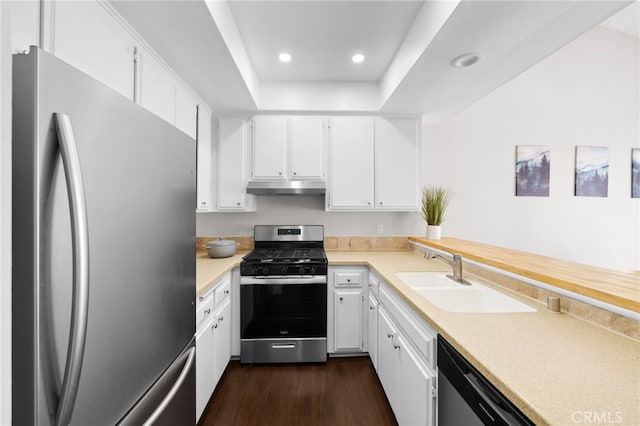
80	244
174	389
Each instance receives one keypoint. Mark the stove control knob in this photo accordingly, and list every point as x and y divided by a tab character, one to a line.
305	270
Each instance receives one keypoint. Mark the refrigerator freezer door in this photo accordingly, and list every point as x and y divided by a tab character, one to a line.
139	182
170	400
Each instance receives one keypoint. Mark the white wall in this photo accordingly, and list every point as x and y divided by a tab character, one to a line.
5	216
585	94
308	210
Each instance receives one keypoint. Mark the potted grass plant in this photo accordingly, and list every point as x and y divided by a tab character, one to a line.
435	200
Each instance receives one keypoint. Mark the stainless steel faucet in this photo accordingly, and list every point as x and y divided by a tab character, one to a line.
456	265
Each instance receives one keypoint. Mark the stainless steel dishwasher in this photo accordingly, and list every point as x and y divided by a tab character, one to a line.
467	398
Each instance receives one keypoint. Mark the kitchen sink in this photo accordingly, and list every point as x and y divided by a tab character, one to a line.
449	295
473	299
418	280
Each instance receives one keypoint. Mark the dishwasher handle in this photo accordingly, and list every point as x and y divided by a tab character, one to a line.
491	404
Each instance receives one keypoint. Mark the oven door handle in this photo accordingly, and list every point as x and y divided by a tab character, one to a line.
284	280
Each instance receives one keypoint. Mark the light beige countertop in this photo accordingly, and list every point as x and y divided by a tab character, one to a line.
558	369
209	270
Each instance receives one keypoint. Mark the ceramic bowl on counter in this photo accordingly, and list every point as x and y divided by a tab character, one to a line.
221	248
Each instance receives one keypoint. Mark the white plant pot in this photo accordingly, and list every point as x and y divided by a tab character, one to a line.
434	232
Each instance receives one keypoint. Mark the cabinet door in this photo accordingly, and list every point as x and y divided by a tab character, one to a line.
414	400
306	148
373	330
223	340
157	88
186	111
87	37
348	319
204	158
396	164
204	366
387	355
351	163
231	164
269	147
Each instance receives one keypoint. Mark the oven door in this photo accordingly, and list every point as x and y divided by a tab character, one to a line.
283	307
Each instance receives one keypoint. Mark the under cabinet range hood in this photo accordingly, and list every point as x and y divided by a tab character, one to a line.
286	187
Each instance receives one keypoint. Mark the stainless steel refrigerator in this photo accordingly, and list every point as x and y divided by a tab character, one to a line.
104	254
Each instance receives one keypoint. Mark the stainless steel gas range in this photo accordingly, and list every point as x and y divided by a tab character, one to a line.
283	296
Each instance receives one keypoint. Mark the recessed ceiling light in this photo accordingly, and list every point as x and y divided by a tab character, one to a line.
465	60
357	58
284	57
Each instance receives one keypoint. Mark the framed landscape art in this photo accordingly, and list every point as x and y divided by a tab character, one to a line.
592	171
635	173
533	166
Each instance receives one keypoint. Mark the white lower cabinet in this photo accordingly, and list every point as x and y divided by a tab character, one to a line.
404	371
372	338
387	356
205	343
346	317
222	344
213	340
414	404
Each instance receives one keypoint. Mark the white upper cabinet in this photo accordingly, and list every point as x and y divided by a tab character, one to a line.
186	111
88	37
374	164
91	36
351	163
232	154
157	88
397	178
204	159
288	148
269	147
306	148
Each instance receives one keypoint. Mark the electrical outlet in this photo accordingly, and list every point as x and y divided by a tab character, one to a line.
379	230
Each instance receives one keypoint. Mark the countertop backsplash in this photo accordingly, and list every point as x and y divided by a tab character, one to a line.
330	243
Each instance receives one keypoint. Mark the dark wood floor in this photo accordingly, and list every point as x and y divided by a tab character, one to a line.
344	391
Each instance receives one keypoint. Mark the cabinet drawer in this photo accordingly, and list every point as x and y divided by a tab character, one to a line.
348	279
204	310
222	291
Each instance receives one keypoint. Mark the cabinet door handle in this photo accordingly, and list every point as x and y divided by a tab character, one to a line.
341	299
220	319
371	308
390	335
396	346
207	311
226	292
